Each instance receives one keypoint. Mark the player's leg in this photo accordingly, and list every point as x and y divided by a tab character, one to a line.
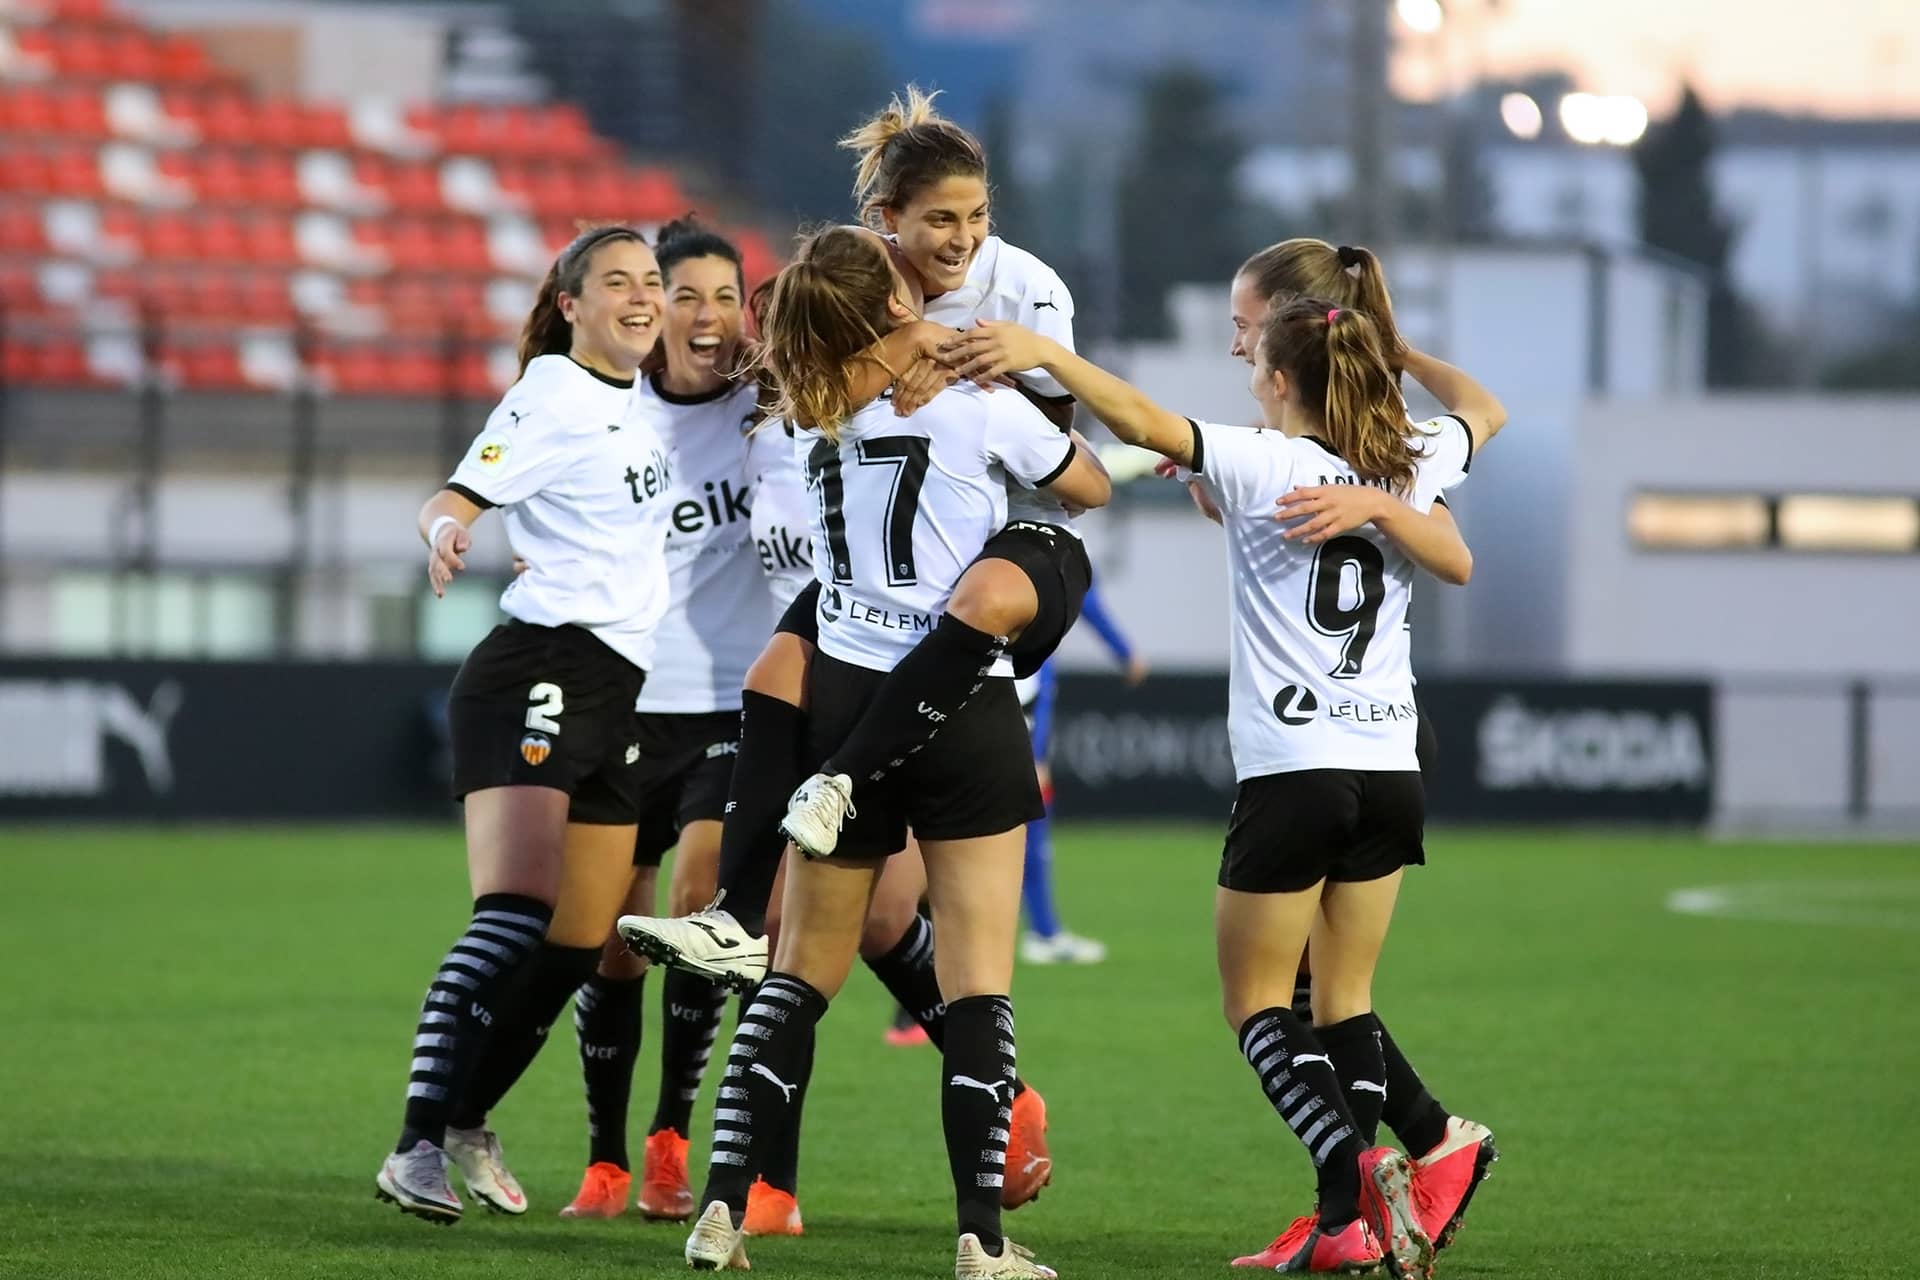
607	1027
515	837
691	1007
597	870
1024	590
824	905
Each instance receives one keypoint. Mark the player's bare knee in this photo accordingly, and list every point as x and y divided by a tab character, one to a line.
887	923
781	669
995	596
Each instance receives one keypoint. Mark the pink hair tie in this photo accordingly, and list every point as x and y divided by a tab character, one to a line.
1331	314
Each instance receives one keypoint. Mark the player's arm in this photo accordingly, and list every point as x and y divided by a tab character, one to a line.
1093	611
904	360
1462	396
443	524
991	349
1431	539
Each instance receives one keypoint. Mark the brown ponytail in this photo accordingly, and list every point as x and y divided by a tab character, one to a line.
906	147
826	307
1337	363
547	332
1346	274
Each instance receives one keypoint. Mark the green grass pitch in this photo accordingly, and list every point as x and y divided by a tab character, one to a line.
203	1038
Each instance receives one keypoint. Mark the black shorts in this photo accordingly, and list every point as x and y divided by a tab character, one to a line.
686	768
552	707
802	617
973	778
1055	561
1291	830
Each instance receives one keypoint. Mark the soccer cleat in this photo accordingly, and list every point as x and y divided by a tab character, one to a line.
1303	1246
477	1152
771	1211
416	1180
664	1193
971	1261
1061	948
603	1192
710	942
1386	1202
1028	1167
815	813
1445	1178
716	1244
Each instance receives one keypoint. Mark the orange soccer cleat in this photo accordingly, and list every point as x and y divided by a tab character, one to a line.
1029	1166
1444	1179
603	1193
664	1193
1303	1246
771	1211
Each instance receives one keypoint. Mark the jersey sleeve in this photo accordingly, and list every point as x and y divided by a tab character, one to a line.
1030	449
1243	468
1047	308
522	450
1445	458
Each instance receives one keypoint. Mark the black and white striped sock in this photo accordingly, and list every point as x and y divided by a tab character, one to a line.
693	1007
907	974
606	1022
520	1026
976	1109
758	1090
457	1015
1354	1046
1298	1078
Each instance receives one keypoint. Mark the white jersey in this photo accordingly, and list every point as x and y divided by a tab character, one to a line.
1005	282
780	506
903	505
582	481
721	612
1321	670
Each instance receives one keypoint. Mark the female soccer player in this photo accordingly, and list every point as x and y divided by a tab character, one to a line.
541	712
1330	807
886	572
1452	1154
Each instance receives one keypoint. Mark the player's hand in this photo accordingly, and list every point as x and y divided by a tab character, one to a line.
1328	510
1203	502
1136	671
444	557
520	566
1167	469
993	349
924	379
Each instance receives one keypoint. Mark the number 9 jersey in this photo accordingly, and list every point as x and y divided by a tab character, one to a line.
1322	676
901	506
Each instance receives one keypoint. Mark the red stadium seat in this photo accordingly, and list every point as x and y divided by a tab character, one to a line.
21	231
182	60
269	239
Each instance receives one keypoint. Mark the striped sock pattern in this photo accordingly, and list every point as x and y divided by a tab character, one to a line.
976	1109
693	1007
457	1015
606	1023
1298	1078
759	1090
907	974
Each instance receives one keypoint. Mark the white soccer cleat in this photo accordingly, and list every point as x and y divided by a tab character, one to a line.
416	1180
716	1244
1061	948
477	1152
972	1261
710	942
815	813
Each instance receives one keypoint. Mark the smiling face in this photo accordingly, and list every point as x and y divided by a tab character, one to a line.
703	323
1249	312
940	228
616	316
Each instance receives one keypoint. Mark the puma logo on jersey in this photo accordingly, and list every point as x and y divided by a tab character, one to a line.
715	508
516	415
786	1090
1049	303
991	1090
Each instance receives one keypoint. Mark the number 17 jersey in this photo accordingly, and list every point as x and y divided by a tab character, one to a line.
1321	673
901	506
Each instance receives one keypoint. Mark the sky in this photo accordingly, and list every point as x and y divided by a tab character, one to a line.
1736	52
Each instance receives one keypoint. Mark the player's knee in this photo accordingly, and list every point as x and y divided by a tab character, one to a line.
994	596
781	669
886	924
